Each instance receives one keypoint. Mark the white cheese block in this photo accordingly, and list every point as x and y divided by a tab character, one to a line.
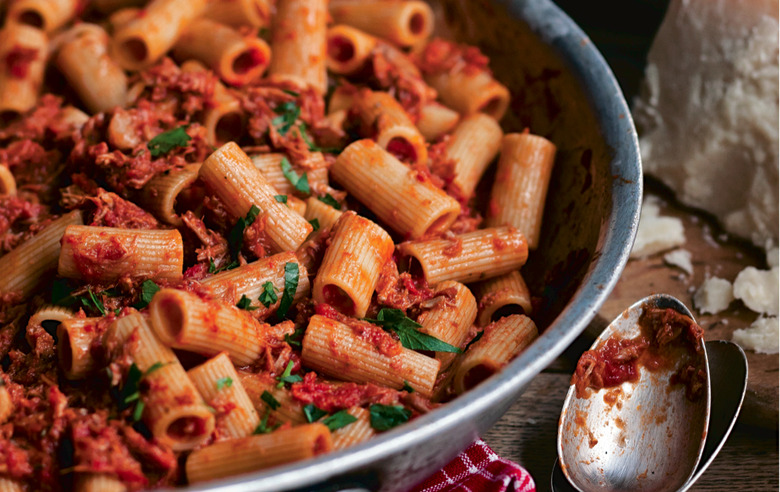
714	295
763	336
758	289
708	113
681	258
656	233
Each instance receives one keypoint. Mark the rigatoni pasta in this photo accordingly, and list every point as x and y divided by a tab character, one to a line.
224	268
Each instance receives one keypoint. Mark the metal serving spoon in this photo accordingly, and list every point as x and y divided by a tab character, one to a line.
728	375
643	436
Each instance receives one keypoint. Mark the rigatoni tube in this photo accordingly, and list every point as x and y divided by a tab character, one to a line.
236	456
411	206
143	40
160	193
21	76
173	410
271	166
469	257
232	176
100	83
219	385
185	321
520	189
472	147
366	356
404	23
237	13
289	409
74	339
352	263
249	280
450	317
325	214
26	267
237	59
385	120
435	120
348	49
501	296
299	45
106	254
47	15
356	432
501	342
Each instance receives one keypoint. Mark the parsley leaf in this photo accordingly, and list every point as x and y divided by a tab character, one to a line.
225	382
290	286
262	427
407	330
313	413
167	141
287	377
138	412
303	130
154	367
148	290
280	198
315	223
288	114
245	303
407	387
269	400
236	234
60	293
93	301
384	417
291	93
130	390
294	340
329	200
268	296
300	183
338	420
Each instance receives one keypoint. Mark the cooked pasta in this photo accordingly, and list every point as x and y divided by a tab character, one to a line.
234	232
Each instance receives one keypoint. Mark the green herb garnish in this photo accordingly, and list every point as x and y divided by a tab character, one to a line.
313	413
384	417
245	303
338	420
290	287
225	382
407	330
315	223
268	295
269	400
148	290
167	141
280	198
288	114
287	376
329	200
236	234
300	183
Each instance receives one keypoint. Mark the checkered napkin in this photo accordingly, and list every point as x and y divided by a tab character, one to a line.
479	469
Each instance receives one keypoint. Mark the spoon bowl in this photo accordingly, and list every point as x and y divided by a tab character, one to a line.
639	436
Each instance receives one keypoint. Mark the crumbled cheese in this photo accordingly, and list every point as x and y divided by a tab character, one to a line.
714	295
758	289
763	336
708	114
656	233
681	258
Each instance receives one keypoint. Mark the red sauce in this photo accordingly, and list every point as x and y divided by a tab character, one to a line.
340	49
332	397
402	149
666	336
18	60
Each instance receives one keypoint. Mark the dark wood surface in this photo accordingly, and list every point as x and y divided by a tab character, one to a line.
749	459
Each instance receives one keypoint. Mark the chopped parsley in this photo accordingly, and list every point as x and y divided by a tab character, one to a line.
245	303
131	390
148	290
329	200
268	295
294	340
315	223
287	376
167	141
300	183
384	417
269	400
290	287
407	387
225	382
288	114
236	234
280	198
338	420
262	427
313	413
93	301
407	330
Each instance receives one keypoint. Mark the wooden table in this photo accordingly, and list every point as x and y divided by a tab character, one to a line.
749	460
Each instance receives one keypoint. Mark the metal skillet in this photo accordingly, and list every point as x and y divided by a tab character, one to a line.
563	89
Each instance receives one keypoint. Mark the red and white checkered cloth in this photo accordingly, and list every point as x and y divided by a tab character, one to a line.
479	469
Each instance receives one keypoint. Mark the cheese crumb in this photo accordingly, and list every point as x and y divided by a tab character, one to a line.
708	115
714	295
758	289
681	258
763	336
656	233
